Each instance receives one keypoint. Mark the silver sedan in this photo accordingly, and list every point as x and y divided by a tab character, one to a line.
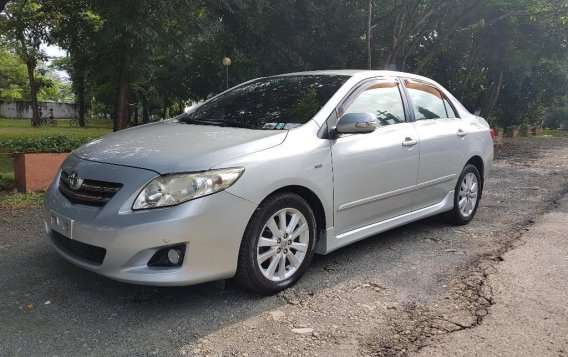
253	182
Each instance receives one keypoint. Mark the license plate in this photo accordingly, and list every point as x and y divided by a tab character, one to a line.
61	224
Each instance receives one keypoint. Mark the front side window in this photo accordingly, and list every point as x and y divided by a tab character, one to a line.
427	101
268	103
382	99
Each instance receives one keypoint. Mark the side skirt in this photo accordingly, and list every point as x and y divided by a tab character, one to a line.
331	242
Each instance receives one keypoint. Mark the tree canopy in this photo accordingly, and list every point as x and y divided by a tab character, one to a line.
503	59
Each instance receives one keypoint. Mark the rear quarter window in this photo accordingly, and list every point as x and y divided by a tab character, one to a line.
427	101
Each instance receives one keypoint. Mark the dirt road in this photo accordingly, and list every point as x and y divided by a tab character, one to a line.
427	288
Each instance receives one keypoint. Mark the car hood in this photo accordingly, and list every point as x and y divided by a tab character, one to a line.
170	147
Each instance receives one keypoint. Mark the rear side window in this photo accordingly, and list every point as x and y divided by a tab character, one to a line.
383	99
427	101
450	109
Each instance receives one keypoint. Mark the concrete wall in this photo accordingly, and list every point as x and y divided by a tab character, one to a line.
23	109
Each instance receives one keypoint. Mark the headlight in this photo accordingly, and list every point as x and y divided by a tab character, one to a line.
170	190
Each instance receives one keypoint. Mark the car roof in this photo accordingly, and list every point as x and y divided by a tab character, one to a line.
361	73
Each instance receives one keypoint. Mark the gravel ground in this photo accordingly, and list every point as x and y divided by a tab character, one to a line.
399	293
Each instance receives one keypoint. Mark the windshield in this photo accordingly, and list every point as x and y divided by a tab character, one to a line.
273	103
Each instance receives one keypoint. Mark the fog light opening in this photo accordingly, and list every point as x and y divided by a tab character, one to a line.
174	256
168	257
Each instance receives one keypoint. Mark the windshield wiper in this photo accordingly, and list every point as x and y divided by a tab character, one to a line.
234	124
222	123
199	122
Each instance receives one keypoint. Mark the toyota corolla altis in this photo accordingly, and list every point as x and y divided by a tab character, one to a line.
254	181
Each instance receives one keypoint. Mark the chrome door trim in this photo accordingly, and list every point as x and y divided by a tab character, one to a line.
391	194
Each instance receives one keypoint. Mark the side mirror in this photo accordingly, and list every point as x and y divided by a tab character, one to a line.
357	123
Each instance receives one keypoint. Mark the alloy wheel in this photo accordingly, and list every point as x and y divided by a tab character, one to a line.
469	190
283	244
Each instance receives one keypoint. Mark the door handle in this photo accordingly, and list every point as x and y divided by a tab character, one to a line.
408	142
461	133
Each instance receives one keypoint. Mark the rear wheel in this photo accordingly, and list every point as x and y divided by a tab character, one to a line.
466	197
278	244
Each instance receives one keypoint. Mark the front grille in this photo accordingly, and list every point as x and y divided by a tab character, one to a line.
82	251
91	192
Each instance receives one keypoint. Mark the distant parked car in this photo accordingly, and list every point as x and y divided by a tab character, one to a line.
256	180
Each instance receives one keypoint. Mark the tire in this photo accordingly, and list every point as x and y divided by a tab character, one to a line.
467	193
260	261
73	122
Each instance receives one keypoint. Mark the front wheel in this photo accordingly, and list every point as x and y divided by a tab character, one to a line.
278	244
466	197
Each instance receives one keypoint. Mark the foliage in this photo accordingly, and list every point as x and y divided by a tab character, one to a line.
47	144
6	172
503	59
524	126
557	114
13	76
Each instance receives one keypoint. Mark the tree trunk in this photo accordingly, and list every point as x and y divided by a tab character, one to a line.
121	119
489	101
145	110
369	19
180	106
31	64
81	99
493	100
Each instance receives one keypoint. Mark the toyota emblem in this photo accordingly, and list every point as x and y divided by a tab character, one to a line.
75	182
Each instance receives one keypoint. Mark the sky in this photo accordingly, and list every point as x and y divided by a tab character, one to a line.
56	51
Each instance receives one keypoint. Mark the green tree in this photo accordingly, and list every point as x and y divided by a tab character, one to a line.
13	76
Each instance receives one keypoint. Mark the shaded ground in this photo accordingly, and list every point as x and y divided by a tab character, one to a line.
392	294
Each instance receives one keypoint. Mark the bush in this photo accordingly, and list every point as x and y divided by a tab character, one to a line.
524	126
47	144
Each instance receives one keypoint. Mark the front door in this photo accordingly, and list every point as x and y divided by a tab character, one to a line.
374	174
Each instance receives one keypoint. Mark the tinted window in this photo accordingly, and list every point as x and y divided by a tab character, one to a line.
268	103
427	101
383	99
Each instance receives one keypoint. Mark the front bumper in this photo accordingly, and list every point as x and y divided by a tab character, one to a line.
211	228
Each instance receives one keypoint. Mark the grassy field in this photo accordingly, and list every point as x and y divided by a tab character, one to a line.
554	132
18	128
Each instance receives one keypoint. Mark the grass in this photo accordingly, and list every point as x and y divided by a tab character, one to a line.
554	132
19	128
6	172
17	200
547	133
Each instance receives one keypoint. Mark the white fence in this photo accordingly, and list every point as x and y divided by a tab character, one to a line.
23	109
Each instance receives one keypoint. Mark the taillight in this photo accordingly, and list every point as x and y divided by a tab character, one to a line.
492	131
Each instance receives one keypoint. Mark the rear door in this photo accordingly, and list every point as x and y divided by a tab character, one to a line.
444	142
374	174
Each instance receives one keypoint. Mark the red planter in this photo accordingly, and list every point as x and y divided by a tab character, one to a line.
35	172
537	131
512	133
